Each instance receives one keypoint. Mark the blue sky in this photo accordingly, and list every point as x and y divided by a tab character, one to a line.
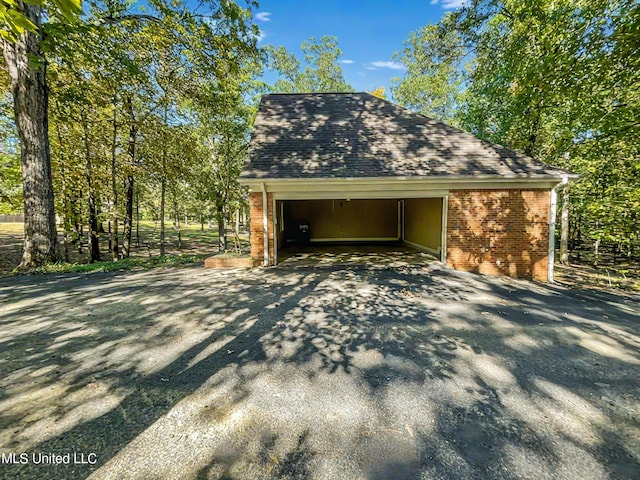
368	31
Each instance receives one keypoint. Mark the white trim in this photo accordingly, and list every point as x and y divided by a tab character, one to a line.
403	183
416	178
551	253
358	195
265	225
443	240
355	239
399	220
281	216
422	247
275	233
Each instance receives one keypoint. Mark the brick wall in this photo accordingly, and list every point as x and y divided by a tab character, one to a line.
500	232
257	226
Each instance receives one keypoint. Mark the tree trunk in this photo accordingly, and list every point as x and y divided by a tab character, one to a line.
236	237
163	194
138	217
67	221
531	145
114	187
564	227
128	183
176	222
222	230
163	188
79	233
94	246
27	73
110	245
66	210
128	217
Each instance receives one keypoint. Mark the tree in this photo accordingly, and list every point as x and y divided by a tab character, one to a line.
25	63
379	92
16	18
557	80
212	34
226	106
321	72
433	80
227	143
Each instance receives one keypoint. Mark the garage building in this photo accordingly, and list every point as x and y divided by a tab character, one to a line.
329	168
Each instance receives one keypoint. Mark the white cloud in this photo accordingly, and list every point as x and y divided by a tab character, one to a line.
261	35
454	3
263	16
346	61
369	67
447	4
382	64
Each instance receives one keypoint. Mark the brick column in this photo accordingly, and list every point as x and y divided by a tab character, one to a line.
500	232
257	227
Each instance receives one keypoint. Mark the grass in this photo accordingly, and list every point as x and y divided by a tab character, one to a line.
125	264
11	228
196	244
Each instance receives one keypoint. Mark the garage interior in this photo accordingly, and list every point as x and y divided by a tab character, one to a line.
322	224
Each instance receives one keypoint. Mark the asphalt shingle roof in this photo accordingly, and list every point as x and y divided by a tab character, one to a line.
344	135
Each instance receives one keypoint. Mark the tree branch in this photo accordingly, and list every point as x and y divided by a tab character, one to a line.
125	18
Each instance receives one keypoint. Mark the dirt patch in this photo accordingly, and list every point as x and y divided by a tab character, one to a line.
318	372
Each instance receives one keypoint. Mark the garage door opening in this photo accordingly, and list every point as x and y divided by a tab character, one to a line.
325	224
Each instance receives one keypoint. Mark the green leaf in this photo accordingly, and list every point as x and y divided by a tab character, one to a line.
20	22
70	9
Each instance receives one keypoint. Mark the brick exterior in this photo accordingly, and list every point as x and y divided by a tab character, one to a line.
499	232
257	227
230	262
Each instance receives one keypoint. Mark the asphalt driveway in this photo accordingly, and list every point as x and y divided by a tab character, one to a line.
316	372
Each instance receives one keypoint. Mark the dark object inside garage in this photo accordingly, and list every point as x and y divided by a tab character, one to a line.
325	222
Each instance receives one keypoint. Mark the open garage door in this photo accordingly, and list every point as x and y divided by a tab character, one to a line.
417	222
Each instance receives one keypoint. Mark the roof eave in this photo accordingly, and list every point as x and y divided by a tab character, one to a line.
480	179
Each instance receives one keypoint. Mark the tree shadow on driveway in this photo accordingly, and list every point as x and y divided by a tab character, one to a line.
307	372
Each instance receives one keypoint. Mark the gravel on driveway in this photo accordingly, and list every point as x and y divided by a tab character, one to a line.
316	372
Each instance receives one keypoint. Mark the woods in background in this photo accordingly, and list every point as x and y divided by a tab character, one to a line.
118	111
558	80
149	106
